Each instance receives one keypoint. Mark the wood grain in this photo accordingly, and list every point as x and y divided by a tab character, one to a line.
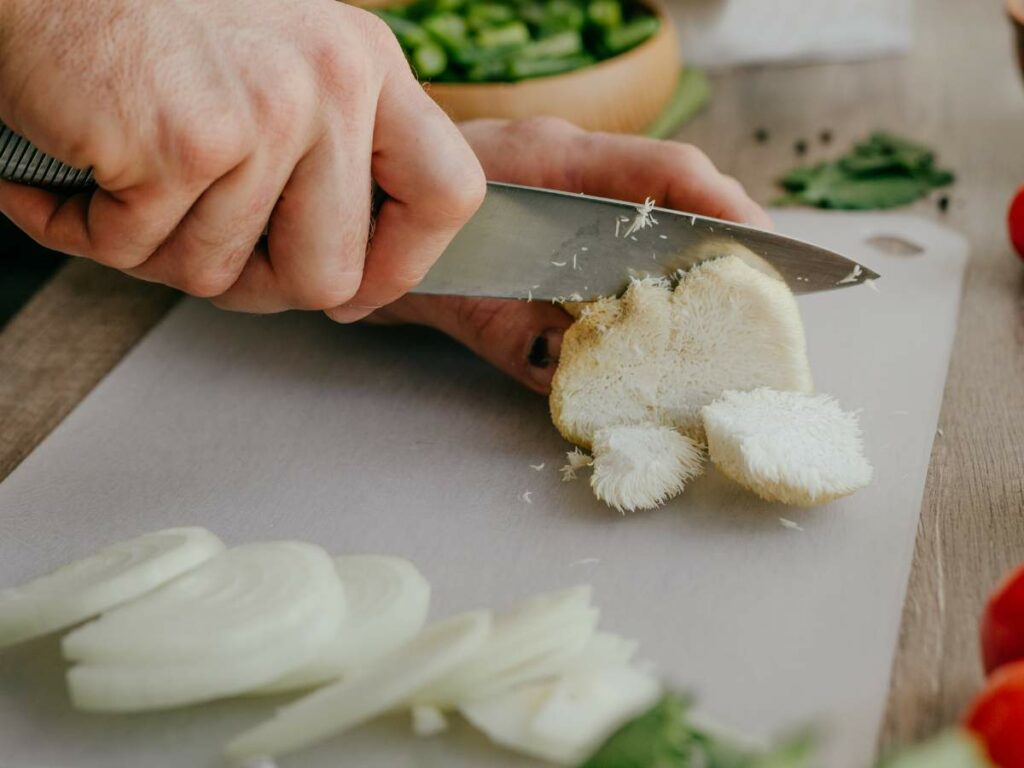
62	343
958	91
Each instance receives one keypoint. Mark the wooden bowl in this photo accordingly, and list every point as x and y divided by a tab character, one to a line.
622	94
1016	9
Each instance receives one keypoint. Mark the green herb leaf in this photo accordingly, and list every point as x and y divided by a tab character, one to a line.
664	737
833	189
659	738
884	171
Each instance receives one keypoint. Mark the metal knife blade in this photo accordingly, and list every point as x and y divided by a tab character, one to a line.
529	243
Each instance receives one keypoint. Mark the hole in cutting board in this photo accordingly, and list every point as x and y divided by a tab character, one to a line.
894	245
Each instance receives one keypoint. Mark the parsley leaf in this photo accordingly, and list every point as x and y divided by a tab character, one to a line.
884	171
664	737
659	738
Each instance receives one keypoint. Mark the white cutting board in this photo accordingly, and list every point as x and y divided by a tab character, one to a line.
364	439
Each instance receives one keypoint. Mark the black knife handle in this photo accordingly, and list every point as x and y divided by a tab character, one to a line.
22	162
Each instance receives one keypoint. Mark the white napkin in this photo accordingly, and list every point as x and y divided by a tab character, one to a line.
715	34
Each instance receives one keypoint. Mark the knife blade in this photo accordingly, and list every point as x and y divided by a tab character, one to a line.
542	244
530	243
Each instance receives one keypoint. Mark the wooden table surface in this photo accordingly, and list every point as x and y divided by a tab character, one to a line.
958	91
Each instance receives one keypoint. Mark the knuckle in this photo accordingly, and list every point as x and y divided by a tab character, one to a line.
208	148
735	187
688	157
560	138
206	283
284	103
337	65
380	37
113	247
481	318
117	257
542	128
452	198
327	294
460	199
404	280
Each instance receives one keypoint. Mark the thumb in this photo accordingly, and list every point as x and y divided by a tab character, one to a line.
522	339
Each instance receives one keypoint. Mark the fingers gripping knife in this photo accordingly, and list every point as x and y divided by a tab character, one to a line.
23	163
522	240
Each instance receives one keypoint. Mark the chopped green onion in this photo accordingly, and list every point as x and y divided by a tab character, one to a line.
500	40
561	15
480	15
521	69
488	71
515	33
560	44
429	60
423	8
621	39
448	29
605	13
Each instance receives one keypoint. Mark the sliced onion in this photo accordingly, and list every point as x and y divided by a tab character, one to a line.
506	719
546	654
115	575
585	709
428	720
144	686
387	599
236	603
529	641
603	650
566	720
354	700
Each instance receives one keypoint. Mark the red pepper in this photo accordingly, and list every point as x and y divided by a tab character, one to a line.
1002	624
997	716
1015	220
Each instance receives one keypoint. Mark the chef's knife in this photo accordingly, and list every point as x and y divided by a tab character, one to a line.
540	244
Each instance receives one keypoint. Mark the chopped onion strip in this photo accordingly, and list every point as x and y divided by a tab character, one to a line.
94	584
350	702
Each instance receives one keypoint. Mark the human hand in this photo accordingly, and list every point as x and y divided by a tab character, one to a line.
204	121
523	339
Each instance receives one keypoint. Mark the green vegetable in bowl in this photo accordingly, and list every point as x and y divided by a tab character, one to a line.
520	69
563	44
482	15
429	60
448	29
507	36
606	14
508	40
622	38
